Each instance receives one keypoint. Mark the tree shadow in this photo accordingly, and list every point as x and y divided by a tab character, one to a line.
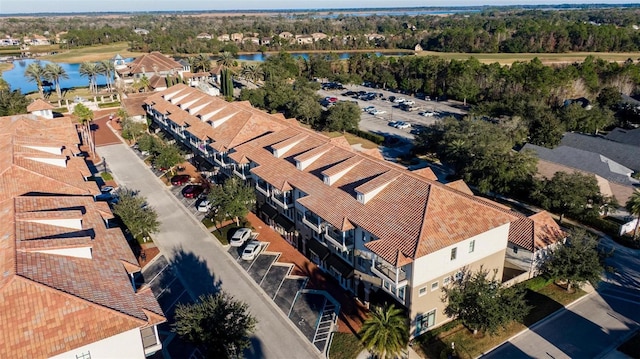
195	273
254	351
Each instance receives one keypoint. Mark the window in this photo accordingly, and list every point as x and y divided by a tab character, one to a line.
515	250
472	246
446	281
422	291
401	293
425	321
434	286
454	253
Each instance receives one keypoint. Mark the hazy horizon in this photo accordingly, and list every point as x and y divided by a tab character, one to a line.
80	6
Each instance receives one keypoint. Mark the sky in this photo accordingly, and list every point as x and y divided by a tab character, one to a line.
41	6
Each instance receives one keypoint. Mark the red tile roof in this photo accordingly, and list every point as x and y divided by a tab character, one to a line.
535	232
151	62
39	105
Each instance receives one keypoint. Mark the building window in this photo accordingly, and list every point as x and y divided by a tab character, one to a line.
472	246
434	286
422	291
425	321
454	253
446	281
515	250
401	293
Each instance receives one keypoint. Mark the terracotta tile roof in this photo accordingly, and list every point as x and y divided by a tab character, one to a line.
151	62
39	105
536	231
459	185
133	104
66	276
157	81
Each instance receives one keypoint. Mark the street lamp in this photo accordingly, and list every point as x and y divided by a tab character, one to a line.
104	164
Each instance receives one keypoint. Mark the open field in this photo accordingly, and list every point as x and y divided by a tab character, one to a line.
548	59
92	53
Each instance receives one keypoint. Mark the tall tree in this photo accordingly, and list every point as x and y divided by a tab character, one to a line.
573	194
90	70
576	261
219	324
54	73
36	73
226	59
12	102
200	62
168	156
343	116
252	73
139	218
233	199
84	116
386	332
483	304
107	68
226	83
633	206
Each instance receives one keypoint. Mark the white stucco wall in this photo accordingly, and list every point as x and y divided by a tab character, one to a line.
127	345
435	265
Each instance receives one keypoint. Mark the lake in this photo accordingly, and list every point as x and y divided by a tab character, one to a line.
305	55
17	81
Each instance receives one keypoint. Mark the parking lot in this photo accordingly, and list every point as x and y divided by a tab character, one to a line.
388	111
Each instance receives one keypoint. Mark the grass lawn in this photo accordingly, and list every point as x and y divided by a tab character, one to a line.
544	301
632	347
92	53
223	234
554	58
352	139
344	346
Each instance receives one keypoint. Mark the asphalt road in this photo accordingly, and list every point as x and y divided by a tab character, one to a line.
593	327
201	262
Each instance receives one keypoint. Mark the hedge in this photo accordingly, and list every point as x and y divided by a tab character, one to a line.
375	138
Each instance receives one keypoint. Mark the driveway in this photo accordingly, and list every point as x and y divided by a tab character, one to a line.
591	328
200	260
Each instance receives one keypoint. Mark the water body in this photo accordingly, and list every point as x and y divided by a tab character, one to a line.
397	13
304	55
16	79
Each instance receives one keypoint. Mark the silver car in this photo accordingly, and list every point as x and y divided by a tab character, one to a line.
251	251
239	237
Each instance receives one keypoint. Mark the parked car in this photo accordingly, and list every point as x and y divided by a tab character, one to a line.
204	206
368	109
409	103
427	114
106	189
192	191
239	237
402	125
399	100
251	251
377	112
179	180
392	123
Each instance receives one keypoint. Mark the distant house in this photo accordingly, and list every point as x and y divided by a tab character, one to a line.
133	104
236	37
374	37
41	108
141	31
286	35
251	40
9	41
304	39
317	36
224	37
625	154
530	239
158	82
154	63
204	36
613	178
265	40
417	48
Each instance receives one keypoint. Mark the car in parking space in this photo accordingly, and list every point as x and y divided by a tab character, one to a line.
427	114
239	237
399	100
377	112
204	206
192	191
416	131
179	180
392	123
402	125
250	252
368	109
408	103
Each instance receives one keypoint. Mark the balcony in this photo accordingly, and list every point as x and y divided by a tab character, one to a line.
343	240
221	159
150	340
263	187
241	171
283	199
389	272
312	221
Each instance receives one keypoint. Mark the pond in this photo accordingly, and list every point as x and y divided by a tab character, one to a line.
16	79
305	55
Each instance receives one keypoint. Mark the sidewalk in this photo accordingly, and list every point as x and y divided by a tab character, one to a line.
411	354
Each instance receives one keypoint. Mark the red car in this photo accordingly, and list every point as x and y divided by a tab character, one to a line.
179	180
192	191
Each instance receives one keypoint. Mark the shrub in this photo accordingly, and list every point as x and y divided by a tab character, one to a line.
375	138
106	176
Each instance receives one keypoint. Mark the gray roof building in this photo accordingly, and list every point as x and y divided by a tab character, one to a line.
628	137
622	153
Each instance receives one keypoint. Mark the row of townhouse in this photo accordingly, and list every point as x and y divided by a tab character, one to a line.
369	223
255	39
32	40
68	287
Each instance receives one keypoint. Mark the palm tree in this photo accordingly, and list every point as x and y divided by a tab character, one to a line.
35	73
108	69
227	60
633	206
385	333
200	62
91	71
54	72
252	72
142	83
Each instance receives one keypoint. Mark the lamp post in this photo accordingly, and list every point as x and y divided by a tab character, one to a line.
104	164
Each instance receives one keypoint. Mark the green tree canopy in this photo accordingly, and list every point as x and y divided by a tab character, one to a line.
83	113
573	194
150	143
218	323
633	206
35	72
140	219
576	261
483	304
233	199
386	332
168	156
343	116
12	102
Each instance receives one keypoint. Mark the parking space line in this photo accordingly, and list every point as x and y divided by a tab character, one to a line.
177	299
157	274
167	286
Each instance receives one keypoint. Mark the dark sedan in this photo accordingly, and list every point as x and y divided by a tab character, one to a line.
179	180
192	191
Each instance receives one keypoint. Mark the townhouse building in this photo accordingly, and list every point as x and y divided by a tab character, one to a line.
68	286
369	223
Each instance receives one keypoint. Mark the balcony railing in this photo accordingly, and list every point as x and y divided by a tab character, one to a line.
283	199
344	240
312	221
150	340
263	187
387	271
221	160
241	171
